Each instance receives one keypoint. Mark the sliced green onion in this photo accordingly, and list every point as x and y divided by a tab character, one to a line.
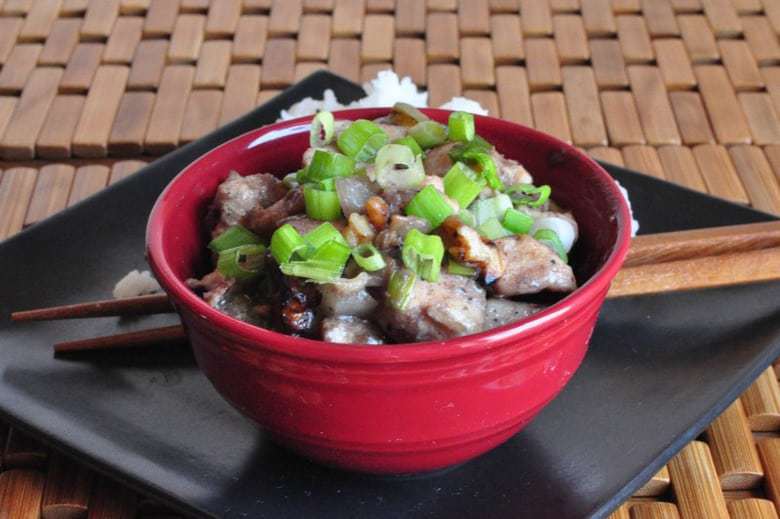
550	238
493	230
332	252
404	114
410	143
322	129
453	267
530	195
494	207
428	134
361	140
242	262
320	204
462	184
286	241
482	163
368	257
329	184
327	164
233	237
430	205
396	167
422	253
322	234
290	181
461	126
467	217
400	287
517	221
477	145
320	271
302	175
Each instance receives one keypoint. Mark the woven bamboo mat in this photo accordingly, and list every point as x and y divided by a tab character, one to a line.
686	90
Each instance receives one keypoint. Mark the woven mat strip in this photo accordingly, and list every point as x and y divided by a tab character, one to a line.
684	90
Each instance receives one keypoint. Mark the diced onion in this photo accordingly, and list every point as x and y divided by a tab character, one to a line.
560	226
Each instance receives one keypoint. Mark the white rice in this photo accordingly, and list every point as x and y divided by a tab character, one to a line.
136	283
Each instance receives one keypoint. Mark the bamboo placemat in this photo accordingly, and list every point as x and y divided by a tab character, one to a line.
686	90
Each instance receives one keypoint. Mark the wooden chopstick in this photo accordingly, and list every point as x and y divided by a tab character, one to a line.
713	241
141	305
701	258
153	336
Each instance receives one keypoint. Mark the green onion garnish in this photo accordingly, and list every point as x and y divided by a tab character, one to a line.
430	205
494	207
321	271
332	252
327	164
453	267
493	230
242	262
368	257
482	163
286	241
461	126
428	134
322	129
422	253
467	217
399	288
233	237
410	143
462	184
321	204
550	238
478	145
517	221
361	140
528	194
322	234
396	167
404	114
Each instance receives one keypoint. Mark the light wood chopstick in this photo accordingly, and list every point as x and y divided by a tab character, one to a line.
701	258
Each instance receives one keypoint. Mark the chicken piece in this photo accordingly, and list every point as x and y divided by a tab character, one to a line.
467	246
238	195
393	131
229	297
294	305
349	296
264	220
302	223
399	226
451	307
347	329
531	267
499	312
510	171
397	200
437	160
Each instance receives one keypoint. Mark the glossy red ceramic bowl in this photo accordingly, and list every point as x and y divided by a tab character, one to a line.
392	408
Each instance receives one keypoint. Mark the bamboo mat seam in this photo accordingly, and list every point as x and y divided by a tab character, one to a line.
684	90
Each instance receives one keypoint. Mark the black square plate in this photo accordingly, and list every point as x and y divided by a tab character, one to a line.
659	369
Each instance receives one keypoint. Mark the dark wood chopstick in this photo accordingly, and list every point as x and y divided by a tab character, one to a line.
154	336
141	305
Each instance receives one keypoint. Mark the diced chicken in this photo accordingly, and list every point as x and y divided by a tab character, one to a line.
510	171
451	307
393	132
302	223
264	220
238	195
347	329
499	312
229	298
399	226
349	296
530	268
397	200
437	160
467	246
564	225
354	191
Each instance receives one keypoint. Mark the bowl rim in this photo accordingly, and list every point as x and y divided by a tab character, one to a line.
298	347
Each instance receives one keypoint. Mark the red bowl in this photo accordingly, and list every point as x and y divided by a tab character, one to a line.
397	408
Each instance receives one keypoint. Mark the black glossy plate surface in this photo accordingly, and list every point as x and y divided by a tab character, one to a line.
658	371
